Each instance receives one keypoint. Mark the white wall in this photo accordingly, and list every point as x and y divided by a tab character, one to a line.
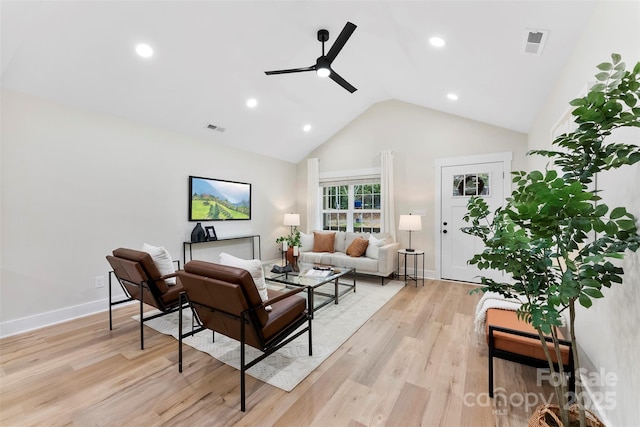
77	184
607	332
418	136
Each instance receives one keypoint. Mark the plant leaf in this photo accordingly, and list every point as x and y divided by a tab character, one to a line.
593	293
618	212
605	66
585	301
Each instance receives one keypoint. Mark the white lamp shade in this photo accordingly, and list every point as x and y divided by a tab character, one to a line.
410	223
292	219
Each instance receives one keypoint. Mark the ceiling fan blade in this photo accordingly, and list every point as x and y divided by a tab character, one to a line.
346	32
292	70
342	82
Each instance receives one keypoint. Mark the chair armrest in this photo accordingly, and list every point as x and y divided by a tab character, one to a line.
283	296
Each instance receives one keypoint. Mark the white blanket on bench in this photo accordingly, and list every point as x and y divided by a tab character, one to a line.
492	300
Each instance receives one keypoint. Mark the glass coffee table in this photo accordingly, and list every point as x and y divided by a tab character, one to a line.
323	281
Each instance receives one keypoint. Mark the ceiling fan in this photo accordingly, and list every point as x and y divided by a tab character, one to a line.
323	63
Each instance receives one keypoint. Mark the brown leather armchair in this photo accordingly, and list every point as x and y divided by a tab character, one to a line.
225	300
140	280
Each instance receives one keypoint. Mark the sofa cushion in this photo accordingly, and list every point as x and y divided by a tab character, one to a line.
384	236
162	260
358	247
351	236
323	242
340	244
373	249
315	257
284	312
254	267
361	264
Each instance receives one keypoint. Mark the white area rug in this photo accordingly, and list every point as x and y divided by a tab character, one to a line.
286	368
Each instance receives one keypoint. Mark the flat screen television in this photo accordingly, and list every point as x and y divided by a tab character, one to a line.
218	200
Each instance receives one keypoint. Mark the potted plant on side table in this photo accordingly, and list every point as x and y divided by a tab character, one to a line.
554	237
292	243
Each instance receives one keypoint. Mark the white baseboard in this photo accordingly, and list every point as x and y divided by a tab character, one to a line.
427	274
37	321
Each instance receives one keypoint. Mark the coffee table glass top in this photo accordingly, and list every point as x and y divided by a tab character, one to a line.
323	281
309	275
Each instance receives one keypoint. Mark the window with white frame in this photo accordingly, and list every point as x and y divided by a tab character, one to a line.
351	205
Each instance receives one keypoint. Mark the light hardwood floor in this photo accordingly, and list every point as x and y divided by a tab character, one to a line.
416	362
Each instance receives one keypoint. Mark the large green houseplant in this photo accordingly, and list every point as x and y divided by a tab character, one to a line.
554	238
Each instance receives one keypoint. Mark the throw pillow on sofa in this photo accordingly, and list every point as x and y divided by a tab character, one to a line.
306	242
358	247
323	242
254	267
162	260
374	247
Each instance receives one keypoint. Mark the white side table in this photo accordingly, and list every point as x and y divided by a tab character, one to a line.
415	254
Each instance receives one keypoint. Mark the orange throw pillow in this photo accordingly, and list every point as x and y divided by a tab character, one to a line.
323	242
358	247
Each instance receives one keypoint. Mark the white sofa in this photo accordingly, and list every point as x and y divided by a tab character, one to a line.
380	259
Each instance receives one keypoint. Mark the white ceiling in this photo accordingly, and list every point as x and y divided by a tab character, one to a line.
210	57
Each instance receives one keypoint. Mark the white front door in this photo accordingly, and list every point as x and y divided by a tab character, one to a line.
458	183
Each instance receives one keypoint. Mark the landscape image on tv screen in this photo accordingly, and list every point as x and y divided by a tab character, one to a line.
218	200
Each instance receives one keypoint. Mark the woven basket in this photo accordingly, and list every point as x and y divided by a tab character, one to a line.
551	413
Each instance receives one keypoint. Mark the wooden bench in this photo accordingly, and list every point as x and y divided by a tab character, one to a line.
512	339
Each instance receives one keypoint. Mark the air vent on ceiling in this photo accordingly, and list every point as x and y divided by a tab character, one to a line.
535	41
216	128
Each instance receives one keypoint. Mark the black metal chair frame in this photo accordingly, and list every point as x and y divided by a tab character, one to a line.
569	369
152	288
283	338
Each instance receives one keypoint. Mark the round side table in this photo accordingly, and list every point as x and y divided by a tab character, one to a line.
415	254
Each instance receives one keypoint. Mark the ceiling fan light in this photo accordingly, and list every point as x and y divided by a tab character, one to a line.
437	41
144	50
323	72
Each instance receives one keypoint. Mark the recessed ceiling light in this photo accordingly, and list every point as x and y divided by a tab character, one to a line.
452	96
306	128
437	41
144	50
252	102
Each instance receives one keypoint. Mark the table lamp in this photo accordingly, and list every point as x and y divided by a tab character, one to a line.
292	220
410	223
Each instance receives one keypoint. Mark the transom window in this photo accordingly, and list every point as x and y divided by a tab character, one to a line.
352	206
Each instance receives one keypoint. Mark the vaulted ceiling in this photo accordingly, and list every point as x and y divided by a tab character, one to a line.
210	57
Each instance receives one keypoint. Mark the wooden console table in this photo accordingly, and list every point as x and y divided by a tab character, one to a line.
252	237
